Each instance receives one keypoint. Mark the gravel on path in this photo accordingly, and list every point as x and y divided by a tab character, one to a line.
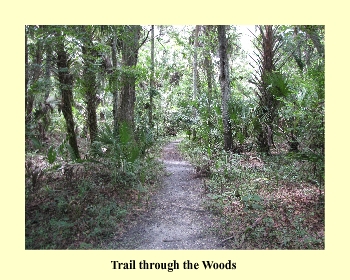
176	218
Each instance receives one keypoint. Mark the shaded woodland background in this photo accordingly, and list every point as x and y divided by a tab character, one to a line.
100	101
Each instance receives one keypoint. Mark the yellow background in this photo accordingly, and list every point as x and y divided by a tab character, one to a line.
17	263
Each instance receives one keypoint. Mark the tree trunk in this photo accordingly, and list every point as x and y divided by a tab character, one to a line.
195	77
26	74
89	82
66	87
267	103
195	64
152	89
225	86
48	67
113	83
128	78
36	73
208	65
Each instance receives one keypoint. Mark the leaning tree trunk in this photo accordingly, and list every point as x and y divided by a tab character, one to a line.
128	78
66	87
225	86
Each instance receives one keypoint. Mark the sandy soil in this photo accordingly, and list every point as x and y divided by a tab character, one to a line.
176	219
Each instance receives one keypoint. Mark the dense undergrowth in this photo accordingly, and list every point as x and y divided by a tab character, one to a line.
80	204
262	202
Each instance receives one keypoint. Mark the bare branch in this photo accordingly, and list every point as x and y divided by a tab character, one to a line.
253	59
253	82
256	78
253	34
144	41
277	46
161	44
259	49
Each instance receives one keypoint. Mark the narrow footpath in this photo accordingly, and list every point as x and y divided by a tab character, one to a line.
176	219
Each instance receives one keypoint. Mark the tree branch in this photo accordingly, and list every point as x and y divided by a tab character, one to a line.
144	41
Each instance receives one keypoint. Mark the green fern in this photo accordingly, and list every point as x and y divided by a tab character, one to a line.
106	135
124	133
51	155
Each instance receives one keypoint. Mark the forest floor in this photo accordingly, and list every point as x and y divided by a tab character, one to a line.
176	218
225	201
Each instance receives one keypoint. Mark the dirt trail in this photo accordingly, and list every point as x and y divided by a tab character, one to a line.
176	219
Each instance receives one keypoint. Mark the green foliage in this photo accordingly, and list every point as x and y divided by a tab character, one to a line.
124	158
278	85
37	87
252	201
303	118
51	155
125	134
138	72
240	118
71	152
32	138
122	153
78	212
